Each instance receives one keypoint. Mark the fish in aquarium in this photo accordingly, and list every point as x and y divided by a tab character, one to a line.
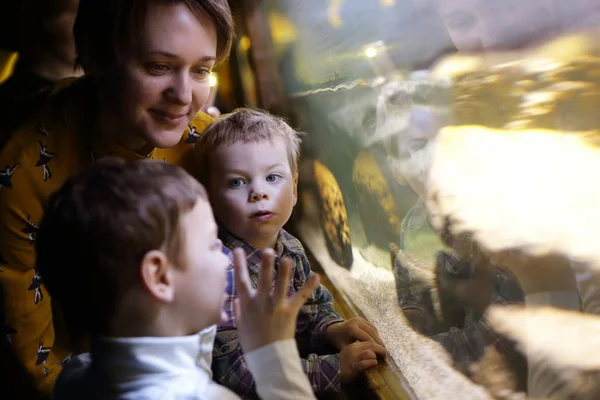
379	118
377	205
520	184
346	120
486	160
538	158
334	219
438	292
575	369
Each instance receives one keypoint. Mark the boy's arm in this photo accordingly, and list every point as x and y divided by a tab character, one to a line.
229	366
278	372
267	328
323	372
317	314
231	369
26	302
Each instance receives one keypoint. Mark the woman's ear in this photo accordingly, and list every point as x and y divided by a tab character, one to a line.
157	276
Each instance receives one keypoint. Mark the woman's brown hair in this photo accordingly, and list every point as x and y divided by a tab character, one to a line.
102	28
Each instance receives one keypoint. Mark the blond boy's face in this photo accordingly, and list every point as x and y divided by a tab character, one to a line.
200	271
253	189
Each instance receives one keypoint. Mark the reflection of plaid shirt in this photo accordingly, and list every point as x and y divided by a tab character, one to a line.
229	367
467	344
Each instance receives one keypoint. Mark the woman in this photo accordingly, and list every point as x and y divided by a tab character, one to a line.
146	65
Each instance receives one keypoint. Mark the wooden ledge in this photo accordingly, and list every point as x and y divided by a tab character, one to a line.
381	381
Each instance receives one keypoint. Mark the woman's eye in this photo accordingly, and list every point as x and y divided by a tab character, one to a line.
202	73
157	68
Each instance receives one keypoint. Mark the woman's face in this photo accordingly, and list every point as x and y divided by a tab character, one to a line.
162	81
476	25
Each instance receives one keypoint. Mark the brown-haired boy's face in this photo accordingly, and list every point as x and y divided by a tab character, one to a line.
164	79
199	271
253	189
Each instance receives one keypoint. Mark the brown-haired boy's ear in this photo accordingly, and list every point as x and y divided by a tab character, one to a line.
295	188
156	276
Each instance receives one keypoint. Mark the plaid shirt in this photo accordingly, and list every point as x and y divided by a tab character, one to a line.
464	345
229	366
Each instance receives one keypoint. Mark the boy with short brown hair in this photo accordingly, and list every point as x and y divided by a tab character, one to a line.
130	251
249	163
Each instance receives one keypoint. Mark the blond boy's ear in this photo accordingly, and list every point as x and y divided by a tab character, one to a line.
295	188
157	276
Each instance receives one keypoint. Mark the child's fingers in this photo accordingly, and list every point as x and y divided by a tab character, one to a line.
241	277
367	355
372	331
366	333
378	349
265	275
360	334
237	311
365	364
283	281
299	298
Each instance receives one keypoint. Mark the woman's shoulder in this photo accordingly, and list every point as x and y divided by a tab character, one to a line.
48	140
58	108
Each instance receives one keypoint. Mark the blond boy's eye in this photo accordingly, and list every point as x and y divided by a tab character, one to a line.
272	177
236	182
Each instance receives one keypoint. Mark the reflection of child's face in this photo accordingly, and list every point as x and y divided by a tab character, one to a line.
476	25
411	168
414	148
253	189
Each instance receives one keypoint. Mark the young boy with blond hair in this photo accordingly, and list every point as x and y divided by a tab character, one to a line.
249	164
130	252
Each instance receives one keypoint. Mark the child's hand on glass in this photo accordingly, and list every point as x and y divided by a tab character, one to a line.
359	344
342	334
263	315
357	357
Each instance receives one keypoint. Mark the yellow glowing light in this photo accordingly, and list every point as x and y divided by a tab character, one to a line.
8	60
212	79
371	52
245	43
387	3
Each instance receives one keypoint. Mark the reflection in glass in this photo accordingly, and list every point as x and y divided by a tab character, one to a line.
424	190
